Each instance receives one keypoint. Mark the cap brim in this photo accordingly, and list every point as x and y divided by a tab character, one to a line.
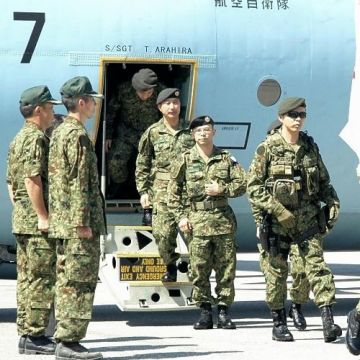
55	102
99	96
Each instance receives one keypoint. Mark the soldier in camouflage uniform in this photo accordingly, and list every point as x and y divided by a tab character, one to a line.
76	219
161	143
288	181
27	180
352	337
300	287
209	176
130	112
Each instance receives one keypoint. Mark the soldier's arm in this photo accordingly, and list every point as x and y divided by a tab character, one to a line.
78	152
8	178
238	180
327	192
33	167
11	194
177	201
259	196
143	164
113	110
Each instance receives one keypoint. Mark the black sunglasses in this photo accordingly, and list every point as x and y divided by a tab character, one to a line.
296	114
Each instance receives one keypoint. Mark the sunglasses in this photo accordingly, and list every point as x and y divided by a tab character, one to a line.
296	114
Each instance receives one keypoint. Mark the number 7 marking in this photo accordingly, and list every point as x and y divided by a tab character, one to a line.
39	19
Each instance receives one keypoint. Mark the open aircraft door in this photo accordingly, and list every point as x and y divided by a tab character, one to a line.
131	266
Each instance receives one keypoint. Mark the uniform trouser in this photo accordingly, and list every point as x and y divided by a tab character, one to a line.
118	159
77	273
300	287
216	252
36	268
164	229
319	275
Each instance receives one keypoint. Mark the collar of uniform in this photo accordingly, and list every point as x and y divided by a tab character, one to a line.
216	154
74	121
183	125
30	124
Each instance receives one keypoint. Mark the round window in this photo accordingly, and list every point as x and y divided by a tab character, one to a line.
269	92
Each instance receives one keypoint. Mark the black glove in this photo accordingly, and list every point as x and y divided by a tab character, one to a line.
147	217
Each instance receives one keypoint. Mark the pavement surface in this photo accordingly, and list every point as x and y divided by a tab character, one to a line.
170	335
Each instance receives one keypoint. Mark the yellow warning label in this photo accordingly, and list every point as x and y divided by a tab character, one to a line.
141	269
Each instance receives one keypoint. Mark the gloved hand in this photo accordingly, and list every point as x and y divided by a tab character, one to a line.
334	210
284	216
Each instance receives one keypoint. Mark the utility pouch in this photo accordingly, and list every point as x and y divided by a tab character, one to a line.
321	218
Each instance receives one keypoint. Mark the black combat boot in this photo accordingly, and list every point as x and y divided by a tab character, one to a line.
331	330
39	345
171	273
205	321
21	346
224	321
280	331
73	350
352	337
296	314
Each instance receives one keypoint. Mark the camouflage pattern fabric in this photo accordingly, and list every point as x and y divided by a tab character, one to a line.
158	148
358	307
190	174
212	245
77	272
216	253
74	195
300	287
74	200
27	157
36	261
127	119
299	182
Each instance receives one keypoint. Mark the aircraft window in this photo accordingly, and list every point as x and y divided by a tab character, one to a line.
269	92
124	129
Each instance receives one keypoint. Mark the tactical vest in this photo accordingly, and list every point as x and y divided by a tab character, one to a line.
292	176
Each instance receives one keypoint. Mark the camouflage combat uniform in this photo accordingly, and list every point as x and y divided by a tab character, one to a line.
299	181
128	118
214	224
36	259
74	200
158	148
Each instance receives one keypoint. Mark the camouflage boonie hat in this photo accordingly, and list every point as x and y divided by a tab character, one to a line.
167	94
79	86
37	95
200	121
144	79
289	104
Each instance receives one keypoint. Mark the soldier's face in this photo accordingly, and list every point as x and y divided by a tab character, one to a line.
145	94
170	108
203	134
294	120
46	112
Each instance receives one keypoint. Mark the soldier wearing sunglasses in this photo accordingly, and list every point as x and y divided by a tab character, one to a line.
287	185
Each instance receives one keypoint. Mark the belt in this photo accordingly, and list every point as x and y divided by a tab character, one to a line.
307	233
162	176
208	204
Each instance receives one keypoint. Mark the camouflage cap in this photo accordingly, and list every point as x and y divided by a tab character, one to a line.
144	79
167	94
79	86
200	121
37	95
289	104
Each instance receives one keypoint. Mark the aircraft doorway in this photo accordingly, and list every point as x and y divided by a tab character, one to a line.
116	78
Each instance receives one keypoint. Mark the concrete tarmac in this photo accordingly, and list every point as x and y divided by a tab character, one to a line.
168	335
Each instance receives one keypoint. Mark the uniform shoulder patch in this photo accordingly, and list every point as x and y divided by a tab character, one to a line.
260	150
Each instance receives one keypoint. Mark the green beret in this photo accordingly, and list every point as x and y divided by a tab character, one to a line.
144	79
167	94
200	121
37	95
289	104
78	86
